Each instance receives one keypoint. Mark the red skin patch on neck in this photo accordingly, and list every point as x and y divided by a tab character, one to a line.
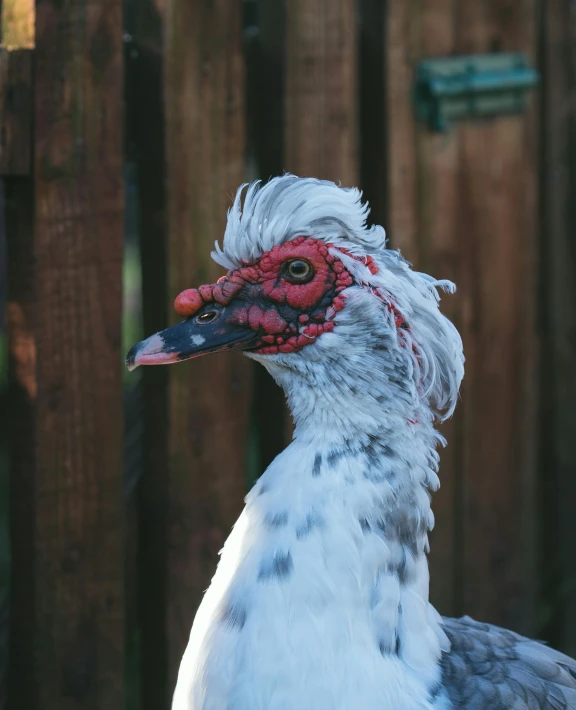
263	298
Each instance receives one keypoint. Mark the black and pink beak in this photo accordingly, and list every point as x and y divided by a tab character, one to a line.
209	327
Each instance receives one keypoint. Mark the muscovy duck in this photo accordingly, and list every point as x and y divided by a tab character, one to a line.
320	599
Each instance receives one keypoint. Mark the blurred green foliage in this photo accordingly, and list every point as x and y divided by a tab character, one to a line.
132	311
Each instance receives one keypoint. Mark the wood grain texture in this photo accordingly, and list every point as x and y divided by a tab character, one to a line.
558	249
20	403
423	220
209	398
72	556
462	206
15	111
499	210
321	116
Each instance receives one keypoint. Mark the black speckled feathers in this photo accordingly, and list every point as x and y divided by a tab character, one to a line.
489	668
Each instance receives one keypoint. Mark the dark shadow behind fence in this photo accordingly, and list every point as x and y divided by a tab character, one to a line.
113	546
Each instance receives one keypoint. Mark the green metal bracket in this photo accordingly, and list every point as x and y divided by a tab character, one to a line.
476	86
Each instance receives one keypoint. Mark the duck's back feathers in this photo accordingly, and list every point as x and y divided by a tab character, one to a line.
489	668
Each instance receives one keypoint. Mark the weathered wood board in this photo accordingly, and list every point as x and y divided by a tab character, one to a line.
321	114
462	206
210	397
68	564
15	111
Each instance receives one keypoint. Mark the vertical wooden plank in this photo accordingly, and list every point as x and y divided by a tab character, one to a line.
209	398
20	400
321	90
265	58
499	212
498	477
372	108
423	221
16	237
321	103
4	472
401	52
462	206
68	566
146	141
15	111
559	280
264	33
16	209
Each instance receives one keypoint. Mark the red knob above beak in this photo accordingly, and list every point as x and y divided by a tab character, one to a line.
188	302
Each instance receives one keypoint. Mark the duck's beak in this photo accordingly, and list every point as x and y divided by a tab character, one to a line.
209	331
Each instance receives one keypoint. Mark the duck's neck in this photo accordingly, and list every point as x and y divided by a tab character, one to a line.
321	595
355	486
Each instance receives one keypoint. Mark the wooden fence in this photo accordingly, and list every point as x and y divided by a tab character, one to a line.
110	553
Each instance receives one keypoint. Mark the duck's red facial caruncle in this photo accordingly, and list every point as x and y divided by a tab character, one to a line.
287	297
279	304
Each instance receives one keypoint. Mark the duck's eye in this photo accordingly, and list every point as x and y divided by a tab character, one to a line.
298	271
207	317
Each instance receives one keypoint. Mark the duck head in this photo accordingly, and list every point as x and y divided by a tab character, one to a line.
313	293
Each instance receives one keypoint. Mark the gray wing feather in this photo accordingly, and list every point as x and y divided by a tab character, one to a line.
489	668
